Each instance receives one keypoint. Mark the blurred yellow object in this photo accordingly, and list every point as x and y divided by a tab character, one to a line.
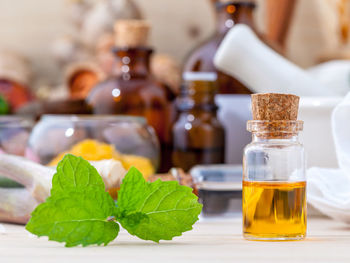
141	163
93	150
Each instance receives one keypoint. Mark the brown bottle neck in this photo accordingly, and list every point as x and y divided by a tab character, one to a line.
198	96
235	13
132	62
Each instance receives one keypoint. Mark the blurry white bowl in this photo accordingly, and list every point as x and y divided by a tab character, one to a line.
234	112
316	112
317	135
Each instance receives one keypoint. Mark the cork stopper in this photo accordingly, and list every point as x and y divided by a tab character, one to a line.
131	33
275	107
275	115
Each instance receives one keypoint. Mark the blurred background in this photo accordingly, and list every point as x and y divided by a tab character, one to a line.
55	58
32	27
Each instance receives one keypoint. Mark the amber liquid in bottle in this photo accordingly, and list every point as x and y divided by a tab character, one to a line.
274	210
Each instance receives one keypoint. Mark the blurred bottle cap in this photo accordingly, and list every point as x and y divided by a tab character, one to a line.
131	33
199	76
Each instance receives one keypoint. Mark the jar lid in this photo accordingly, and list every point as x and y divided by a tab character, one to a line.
217	177
94	118
15	121
199	76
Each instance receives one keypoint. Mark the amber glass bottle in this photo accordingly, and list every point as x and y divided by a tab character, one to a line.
201	59
132	90
82	77
198	136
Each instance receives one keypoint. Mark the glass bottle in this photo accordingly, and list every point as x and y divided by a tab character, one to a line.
81	77
132	90
201	59
274	182
198	136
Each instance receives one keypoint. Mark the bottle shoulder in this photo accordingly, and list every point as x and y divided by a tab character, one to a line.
135	86
201	57
210	121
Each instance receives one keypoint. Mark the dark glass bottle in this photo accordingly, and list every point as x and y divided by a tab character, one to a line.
133	91
198	136
201	59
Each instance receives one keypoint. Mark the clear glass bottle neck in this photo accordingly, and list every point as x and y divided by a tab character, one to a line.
132	62
231	14
286	138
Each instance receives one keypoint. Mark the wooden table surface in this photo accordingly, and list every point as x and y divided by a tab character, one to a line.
210	241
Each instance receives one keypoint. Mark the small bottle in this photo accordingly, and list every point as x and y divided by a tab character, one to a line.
201	59
132	89
198	136
81	77
274	182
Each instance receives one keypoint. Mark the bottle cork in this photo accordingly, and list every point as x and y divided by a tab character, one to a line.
275	116
275	107
131	33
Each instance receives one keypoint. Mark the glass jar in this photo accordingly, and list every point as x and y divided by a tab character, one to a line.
198	136
219	189
124	138
14	134
274	182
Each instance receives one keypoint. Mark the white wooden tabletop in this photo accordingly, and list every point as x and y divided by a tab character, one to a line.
210	241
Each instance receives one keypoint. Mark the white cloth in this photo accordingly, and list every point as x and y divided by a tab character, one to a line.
2	229
328	190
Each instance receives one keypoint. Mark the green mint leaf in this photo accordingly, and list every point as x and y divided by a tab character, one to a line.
156	211
132	186
76	217
134	219
75	172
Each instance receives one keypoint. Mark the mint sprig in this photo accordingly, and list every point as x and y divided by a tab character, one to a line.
74	173
75	217
80	211
156	211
